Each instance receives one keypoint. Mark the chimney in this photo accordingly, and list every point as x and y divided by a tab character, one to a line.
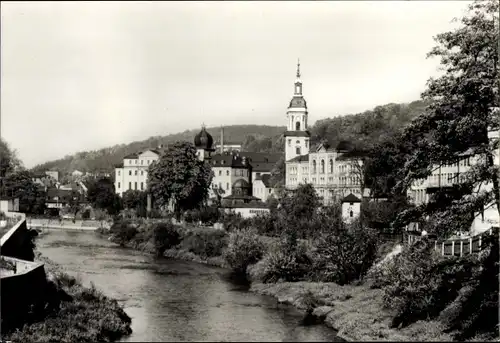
221	139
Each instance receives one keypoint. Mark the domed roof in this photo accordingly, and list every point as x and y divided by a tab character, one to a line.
298	102
241	183
203	140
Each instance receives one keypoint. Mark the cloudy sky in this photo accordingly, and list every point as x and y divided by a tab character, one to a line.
86	75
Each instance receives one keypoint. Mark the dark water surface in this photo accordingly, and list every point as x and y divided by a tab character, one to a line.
175	300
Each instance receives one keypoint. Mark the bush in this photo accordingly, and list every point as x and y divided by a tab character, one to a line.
345	255
205	242
419	283
123	231
244	248
234	221
86	214
165	236
284	261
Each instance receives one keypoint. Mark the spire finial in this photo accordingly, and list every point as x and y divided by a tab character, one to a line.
298	67
203	126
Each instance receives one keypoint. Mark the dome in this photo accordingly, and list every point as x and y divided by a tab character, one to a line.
298	102
203	140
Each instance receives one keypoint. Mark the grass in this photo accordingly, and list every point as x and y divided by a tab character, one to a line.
356	311
84	315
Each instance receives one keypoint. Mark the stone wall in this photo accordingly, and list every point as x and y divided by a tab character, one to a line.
22	291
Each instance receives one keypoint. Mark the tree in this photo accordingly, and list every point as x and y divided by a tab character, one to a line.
134	199
19	185
302	202
74	202
101	193
461	103
278	173
179	178
9	161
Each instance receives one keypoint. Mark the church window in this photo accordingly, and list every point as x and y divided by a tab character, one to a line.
314	166
129	172
220	172
297	150
297	142
322	166
118	173
142	172
135	172
331	166
227	173
297	126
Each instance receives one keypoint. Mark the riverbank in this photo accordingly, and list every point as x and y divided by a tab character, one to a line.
356	312
79	314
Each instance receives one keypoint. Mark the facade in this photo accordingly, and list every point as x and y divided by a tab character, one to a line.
262	188
133	174
330	171
447	176
351	208
8	204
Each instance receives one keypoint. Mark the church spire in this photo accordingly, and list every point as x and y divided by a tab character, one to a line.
298	68
298	82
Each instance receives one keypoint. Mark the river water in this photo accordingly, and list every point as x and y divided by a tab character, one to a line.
172	300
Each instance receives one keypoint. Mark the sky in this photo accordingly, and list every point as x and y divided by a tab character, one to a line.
79	76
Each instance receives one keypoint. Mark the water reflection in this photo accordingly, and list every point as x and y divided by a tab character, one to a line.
175	300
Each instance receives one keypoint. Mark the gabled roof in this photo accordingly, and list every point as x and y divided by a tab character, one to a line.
263	167
266	179
351	198
301	158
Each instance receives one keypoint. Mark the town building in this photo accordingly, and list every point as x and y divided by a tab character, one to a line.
332	171
132	174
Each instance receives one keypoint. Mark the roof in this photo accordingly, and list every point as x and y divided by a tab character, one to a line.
229	160
241	183
351	198
55	192
298	101
131	156
263	167
203	140
301	158
297	133
261	157
266	179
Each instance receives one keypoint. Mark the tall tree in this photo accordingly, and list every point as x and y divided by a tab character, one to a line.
461	112
101	194
9	162
19	185
179	178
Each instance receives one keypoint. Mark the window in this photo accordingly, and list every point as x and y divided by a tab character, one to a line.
289	142
136	172
297	126
129	172
142	172
142	186
314	166
118	185
118	173
220	172
227	173
130	185
258	174
331	166
220	185
135	161
351	214
322	166
142	162
307	143
135	185
148	162
227	185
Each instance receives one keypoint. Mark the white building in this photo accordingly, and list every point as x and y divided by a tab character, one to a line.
331	173
351	208
262	188
133	174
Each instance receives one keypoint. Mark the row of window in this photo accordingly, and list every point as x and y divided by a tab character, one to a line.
446	178
463	163
262	190
130	186
237	172
220	185
137	162
257	211
135	172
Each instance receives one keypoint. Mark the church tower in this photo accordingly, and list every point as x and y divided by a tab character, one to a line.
297	135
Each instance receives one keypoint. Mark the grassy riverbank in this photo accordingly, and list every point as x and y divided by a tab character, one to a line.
78	313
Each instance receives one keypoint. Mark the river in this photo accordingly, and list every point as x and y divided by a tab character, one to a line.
172	300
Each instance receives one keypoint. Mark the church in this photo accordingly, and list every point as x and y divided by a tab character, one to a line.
333	174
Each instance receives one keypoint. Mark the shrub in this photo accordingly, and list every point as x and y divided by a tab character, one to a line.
244	248
86	214
165	236
234	221
123	231
420	284
345	255
284	261
205	242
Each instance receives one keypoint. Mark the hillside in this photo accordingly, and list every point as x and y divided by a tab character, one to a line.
364	129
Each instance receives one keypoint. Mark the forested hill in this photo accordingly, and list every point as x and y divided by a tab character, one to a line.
364	128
